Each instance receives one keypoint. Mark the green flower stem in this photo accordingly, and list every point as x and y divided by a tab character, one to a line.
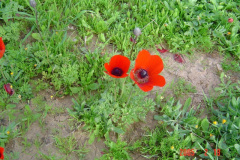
123	87
130	95
3	74
115	92
135	39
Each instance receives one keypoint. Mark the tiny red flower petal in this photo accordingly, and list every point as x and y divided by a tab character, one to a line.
8	89
162	50
146	70
1	153
178	58
118	66
2	48
230	20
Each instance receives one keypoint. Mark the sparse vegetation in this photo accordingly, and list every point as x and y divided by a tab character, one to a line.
56	73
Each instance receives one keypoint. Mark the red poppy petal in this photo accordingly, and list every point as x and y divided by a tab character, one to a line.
2	48
155	65
157	80
107	67
178	58
1	153
1	53
145	87
162	50
120	62
132	76
142	59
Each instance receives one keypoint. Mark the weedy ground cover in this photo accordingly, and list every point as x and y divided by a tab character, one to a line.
46	46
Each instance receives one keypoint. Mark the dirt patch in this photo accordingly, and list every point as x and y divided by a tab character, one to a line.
40	137
201	70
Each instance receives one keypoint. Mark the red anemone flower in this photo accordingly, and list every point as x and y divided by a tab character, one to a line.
118	66
1	153
2	48
146	70
8	89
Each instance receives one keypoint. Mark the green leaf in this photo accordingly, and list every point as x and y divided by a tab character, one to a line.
232	110
186	105
10	106
19	73
205	124
117	130
158	118
102	37
97	119
237	146
222	145
93	86
92	138
36	36
234	102
193	137
84	23
75	89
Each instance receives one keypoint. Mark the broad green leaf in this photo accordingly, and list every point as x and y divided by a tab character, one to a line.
36	36
75	89
11	106
97	119
234	102
93	86
118	130
186	105
158	118
205	124
92	138
237	146
222	144
102	37
193	137
84	23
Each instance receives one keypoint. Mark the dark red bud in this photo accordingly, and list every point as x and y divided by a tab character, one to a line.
8	89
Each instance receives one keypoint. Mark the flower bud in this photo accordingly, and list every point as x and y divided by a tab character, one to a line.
230	20
137	32
32	3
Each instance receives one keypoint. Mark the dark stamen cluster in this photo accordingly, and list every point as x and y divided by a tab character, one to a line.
117	71
141	76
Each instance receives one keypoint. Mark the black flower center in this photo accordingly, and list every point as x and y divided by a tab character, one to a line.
143	73
117	71
141	76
